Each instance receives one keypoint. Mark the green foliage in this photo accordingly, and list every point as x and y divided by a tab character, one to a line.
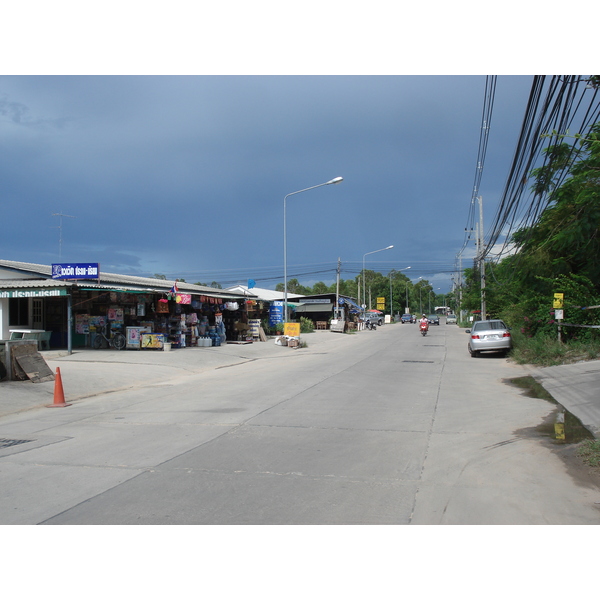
566	237
532	313
589	451
294	287
559	253
306	325
276	329
545	350
320	288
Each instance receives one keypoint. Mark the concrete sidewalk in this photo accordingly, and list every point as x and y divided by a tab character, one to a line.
577	388
87	373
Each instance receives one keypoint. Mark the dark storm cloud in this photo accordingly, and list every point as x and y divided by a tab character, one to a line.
189	173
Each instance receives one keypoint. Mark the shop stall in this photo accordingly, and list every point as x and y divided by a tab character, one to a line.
148	312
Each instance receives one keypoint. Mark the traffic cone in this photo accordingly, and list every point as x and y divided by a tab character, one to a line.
59	394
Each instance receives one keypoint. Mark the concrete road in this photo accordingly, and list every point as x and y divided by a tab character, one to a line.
383	427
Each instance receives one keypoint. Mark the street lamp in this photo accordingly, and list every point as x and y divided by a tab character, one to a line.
373	252
420	302
391	297
285	294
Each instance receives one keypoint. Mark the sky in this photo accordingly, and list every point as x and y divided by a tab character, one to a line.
186	175
178	165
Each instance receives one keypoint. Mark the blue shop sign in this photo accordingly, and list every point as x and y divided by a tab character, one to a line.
276	313
76	271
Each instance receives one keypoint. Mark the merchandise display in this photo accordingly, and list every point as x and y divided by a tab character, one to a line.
150	322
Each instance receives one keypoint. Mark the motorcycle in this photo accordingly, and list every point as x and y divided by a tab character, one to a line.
369	325
424	328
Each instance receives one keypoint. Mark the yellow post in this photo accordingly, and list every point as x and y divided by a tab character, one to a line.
559	427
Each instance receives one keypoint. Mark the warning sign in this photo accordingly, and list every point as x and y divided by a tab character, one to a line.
558	300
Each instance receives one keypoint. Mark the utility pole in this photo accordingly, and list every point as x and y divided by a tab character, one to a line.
481	259
460	284
337	290
60	228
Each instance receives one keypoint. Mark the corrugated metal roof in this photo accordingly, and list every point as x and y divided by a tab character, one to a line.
33	283
107	280
261	293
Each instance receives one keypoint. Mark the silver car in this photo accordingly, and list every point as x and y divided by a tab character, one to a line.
491	335
450	319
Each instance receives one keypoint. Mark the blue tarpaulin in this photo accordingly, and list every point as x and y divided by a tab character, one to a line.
353	306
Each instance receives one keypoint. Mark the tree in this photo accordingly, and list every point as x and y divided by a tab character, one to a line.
214	284
558	253
293	287
320	288
566	237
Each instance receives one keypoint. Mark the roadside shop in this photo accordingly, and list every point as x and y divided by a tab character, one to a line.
91	311
321	309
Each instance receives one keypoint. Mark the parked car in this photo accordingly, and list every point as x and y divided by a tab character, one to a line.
434	319
491	335
373	317
407	318
450	319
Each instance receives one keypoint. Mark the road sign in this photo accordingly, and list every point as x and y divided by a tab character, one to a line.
558	300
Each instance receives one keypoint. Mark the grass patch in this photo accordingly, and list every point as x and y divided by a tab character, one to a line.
545	351
589	452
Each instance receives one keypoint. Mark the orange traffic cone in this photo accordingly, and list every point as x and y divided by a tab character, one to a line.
59	394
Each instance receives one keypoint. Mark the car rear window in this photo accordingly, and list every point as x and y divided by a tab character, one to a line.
483	325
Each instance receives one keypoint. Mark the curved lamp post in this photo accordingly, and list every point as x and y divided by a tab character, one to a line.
420	302
391	297
285	294
373	252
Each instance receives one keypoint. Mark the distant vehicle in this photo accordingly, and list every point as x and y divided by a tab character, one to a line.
433	319
450	319
373	317
406	318
487	336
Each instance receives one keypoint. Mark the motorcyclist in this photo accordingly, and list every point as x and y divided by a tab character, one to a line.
423	322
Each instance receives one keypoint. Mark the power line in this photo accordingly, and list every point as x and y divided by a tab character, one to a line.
553	108
486	120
